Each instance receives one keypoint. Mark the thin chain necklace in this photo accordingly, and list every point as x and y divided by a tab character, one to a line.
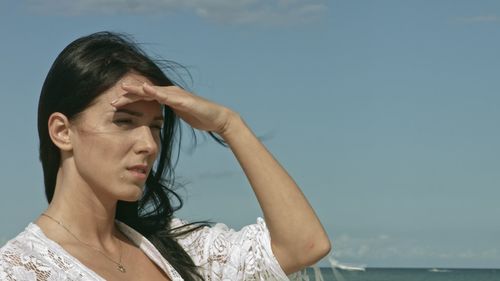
119	265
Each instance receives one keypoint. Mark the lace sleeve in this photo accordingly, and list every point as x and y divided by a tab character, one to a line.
225	254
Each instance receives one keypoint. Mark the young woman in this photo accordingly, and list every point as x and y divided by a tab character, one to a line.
106	113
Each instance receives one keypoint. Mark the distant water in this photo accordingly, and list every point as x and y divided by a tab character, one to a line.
408	274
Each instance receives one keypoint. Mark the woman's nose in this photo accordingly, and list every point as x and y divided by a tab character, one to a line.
146	141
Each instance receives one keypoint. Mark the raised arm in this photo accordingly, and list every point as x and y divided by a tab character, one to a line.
297	236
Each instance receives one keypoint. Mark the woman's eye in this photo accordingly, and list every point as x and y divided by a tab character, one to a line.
123	122
156	127
128	123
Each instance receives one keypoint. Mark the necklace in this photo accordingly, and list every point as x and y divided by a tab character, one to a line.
119	265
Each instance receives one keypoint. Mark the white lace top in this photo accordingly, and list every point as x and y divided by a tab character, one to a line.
222	254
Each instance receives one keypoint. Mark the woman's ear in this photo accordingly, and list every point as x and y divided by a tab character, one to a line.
59	131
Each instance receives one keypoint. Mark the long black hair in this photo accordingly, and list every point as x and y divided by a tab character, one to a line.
84	70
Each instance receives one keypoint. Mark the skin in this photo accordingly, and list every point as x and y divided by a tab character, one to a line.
96	152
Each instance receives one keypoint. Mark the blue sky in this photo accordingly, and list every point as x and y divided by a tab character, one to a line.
385	112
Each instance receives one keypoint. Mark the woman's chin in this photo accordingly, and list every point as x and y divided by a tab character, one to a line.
132	195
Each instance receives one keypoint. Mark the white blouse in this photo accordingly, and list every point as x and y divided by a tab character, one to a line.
220	252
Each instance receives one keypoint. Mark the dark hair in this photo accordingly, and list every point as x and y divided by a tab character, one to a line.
84	70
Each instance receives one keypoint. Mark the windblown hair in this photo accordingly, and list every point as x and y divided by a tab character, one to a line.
84	70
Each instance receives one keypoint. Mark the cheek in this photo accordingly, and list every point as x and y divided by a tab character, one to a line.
101	152
101	159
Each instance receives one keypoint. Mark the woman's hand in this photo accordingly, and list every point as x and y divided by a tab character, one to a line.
194	110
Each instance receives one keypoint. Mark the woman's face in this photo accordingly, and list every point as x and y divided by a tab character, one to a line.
114	149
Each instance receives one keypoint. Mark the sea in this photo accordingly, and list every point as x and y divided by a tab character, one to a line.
405	274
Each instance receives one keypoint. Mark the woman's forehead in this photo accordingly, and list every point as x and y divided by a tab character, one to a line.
134	79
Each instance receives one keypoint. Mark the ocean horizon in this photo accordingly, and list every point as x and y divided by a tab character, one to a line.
404	274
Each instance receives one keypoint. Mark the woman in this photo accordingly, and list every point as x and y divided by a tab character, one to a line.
106	113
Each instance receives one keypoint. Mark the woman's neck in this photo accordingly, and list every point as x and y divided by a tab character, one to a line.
87	215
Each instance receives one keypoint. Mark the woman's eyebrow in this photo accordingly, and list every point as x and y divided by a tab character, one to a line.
135	113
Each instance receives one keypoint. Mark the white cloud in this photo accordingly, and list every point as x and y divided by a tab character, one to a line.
222	11
384	246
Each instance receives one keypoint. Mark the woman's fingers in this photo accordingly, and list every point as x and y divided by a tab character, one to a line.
164	95
196	111
151	91
172	96
126	99
131	95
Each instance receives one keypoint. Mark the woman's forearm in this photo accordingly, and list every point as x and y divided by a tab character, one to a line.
297	236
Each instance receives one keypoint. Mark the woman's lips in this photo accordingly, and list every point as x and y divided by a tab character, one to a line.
139	171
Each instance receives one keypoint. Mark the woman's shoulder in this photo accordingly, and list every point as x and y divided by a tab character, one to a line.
187	232
235	254
21	242
20	254
32	256
203	229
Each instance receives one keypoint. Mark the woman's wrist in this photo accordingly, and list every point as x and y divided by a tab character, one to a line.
233	126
